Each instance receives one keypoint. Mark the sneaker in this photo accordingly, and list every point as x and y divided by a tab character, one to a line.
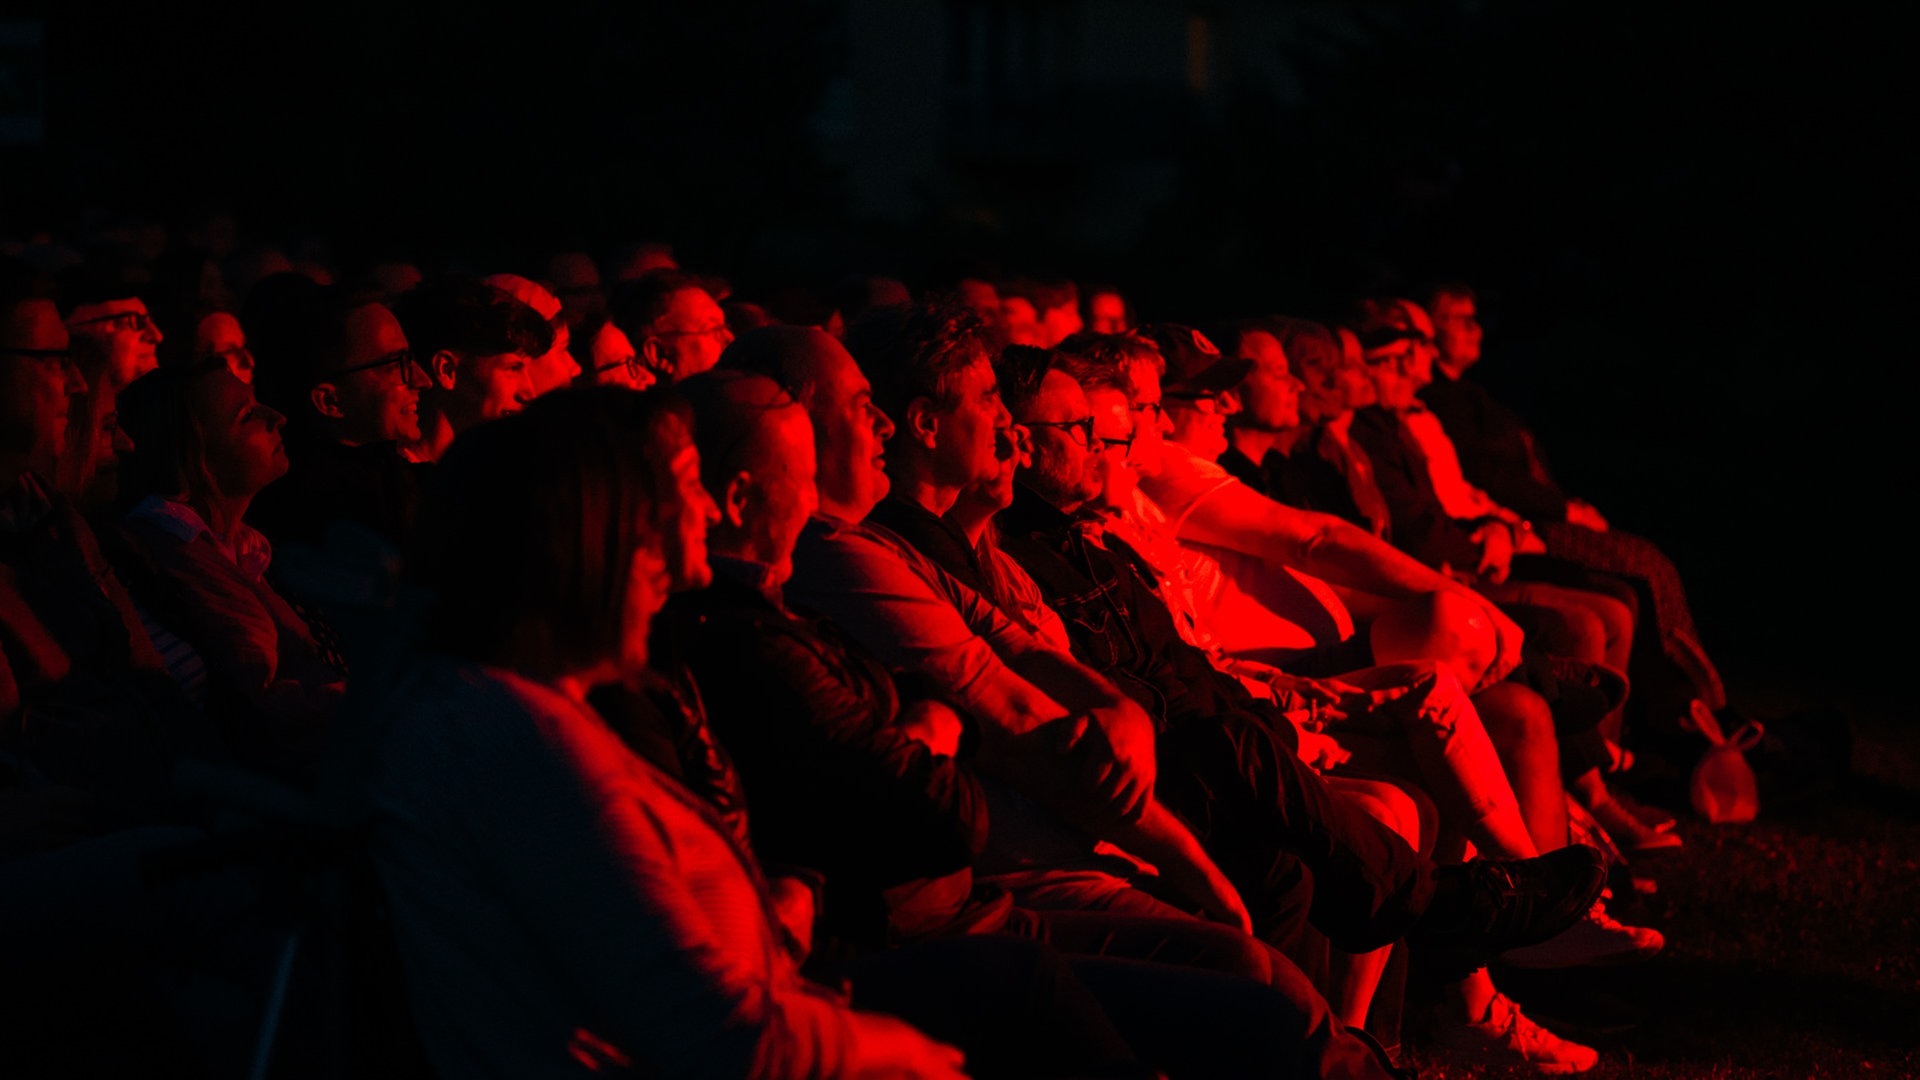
1506	1038
1599	940
1490	906
1651	816
1629	831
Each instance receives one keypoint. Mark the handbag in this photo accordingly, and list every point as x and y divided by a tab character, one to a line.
1722	788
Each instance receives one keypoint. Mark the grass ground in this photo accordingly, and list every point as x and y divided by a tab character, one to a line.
1793	942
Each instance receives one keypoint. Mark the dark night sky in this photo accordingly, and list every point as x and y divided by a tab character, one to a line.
1691	225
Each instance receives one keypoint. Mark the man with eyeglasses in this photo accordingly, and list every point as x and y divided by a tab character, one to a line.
82	689
676	326
613	361
110	311
1292	847
351	400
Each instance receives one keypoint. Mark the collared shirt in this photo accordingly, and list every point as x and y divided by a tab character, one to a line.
979	569
905	609
249	550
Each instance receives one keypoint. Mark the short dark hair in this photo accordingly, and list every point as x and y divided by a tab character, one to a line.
730	409
1021	370
1105	358
469	318
527	531
910	351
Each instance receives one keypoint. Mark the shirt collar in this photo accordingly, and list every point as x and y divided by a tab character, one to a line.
249	549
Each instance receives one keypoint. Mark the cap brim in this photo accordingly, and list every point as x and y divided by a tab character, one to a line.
1223	374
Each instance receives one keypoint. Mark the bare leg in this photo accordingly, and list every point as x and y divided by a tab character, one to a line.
1354	978
1521	726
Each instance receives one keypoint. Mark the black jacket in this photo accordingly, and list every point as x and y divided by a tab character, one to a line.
835	786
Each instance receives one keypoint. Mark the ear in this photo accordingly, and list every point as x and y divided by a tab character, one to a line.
734	499
921	423
443	367
325	399
650	353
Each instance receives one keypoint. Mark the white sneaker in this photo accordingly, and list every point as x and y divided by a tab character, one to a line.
1599	940
1506	1038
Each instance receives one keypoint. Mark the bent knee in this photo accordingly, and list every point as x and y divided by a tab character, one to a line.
1513	714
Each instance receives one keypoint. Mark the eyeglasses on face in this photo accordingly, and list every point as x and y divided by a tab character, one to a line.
121	322
1152	410
411	371
1109	443
1081	430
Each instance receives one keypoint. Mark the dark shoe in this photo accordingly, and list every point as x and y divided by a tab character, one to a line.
1488	906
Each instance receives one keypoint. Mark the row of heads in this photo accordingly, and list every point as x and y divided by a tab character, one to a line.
603	500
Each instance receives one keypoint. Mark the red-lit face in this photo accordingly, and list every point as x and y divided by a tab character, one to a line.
127	331
219	337
1200	423
1391	368
687	565
1456	323
850	433
1113	445
557	367
614	362
1425	353
1151	425
1057	324
1107	314
648	585
981	296
496	386
1270	395
1065	471
106	447
380	402
1351	375
786	490
692	334
1021	321
243	451
38	384
965	433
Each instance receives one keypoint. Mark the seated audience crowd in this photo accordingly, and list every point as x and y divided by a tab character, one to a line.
858	682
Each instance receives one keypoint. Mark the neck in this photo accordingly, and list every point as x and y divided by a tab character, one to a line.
934	497
1338	426
842	511
223	514
1252	442
436	434
971	516
1065	506
1453	368
737	547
